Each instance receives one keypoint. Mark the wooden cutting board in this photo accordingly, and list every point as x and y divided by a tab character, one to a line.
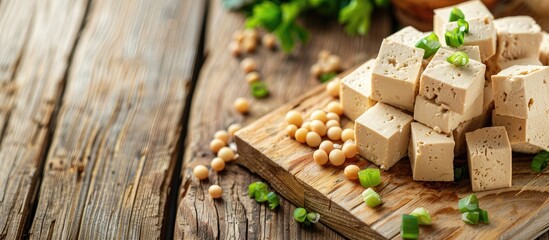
519	212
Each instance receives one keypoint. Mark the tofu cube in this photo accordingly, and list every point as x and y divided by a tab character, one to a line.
517	37
475	123
520	91
489	158
526	135
471	9
408	36
431	154
544	49
356	89
482	33
382	134
396	73
493	67
456	87
441	119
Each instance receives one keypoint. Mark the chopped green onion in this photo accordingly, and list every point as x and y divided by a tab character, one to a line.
454	38
468	204
313	217
483	216
371	197
470	217
273	200
456	14
325	77
539	163
409	228
259	90
300	214
458	58
430	44
256	187
423	216
463	26
369	177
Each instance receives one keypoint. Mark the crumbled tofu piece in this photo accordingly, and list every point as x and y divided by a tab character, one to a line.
471	9
431	154
517	37
544	49
356	89
436	116
382	134
482	33
473	52
489	157
396	73
408	36
526	135
456	87
475	123
520	91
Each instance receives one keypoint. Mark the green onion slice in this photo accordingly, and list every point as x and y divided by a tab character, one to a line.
468	204
423	216
371	197
454	38
456	14
410	227
313	217
273	200
326	77
463	26
369	177
483	216
300	214
539	163
259	90
470	217
458	58
430	44
256	187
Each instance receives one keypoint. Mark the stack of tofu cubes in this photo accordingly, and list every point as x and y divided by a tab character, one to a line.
432	111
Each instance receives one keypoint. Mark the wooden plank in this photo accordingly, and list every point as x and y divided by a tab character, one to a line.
519	212
220	82
37	38
108	171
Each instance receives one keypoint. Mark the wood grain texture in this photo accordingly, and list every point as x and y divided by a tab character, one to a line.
220	82
108	170
519	212
36	38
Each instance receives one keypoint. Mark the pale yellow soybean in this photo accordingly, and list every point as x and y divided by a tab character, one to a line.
215	191
222	135
319	115
318	127
332	123
337	157
351	172
301	135
313	139
226	154
327	146
320	157
332	87
290	130
218	164
334	133
347	134
216	144
294	117
349	148
233	128
200	172
334	107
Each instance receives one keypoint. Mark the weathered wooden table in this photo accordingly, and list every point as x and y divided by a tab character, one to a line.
106	105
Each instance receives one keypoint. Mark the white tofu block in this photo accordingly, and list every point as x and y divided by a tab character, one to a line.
493	67
544	49
396	73
482	33
356	89
456	87
382	134
408	36
526	135
441	119
517	37
431	154
521	91
471	9
475	123
490	159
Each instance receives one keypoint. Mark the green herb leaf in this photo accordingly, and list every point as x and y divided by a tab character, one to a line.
468	204
423	216
356	16
430	44
410	227
539	163
300	214
463	26
456	14
470	217
458	58
326	77
259	89
267	15
273	200
369	177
